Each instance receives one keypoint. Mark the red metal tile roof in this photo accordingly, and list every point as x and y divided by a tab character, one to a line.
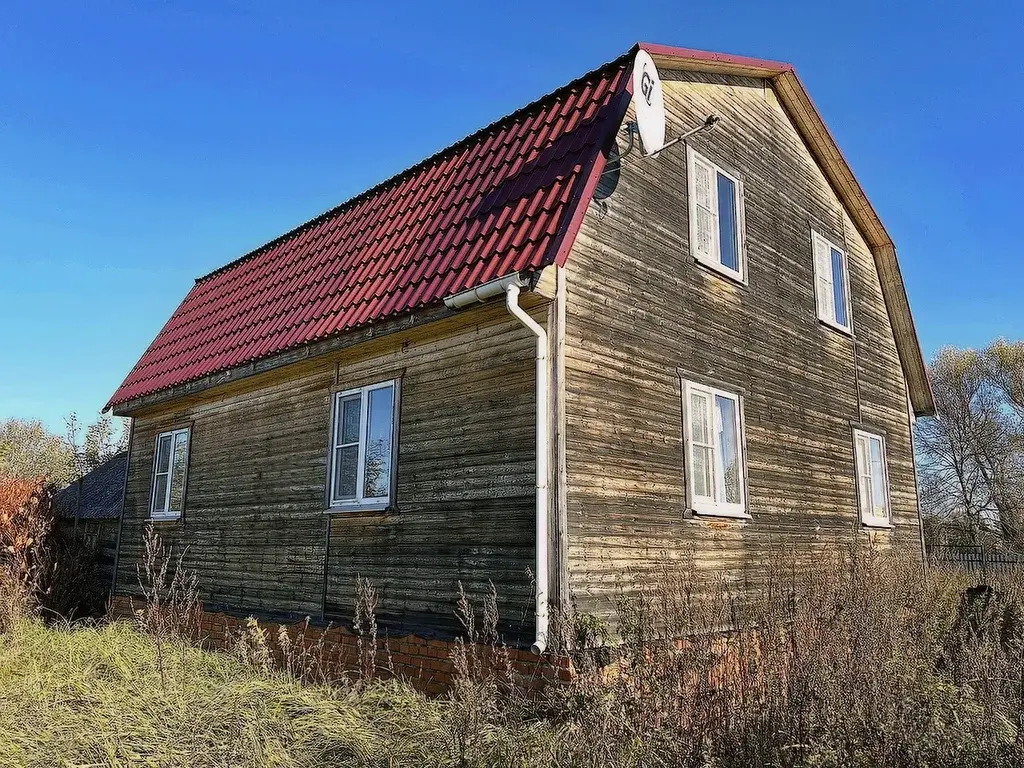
500	201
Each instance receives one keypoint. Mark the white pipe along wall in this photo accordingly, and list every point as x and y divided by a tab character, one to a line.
511	285
540	642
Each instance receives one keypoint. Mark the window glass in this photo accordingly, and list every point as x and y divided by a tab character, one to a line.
728	225
699	418
179	462
159	493
877	479
702	470
703	452
377	469
346	469
348	424
728	449
839	288
163	453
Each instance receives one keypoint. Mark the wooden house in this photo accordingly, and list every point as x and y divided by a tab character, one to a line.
541	360
89	509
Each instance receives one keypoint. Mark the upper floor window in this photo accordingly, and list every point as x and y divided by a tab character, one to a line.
363	446
831	283
716	216
714	442
872	480
170	466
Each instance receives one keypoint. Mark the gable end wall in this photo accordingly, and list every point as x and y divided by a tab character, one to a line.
639	309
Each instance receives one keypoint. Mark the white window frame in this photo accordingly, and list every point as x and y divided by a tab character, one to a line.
869	518
164	512
705	505
361	502
823	316
714	260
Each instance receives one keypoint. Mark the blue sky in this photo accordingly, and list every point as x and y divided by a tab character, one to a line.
144	143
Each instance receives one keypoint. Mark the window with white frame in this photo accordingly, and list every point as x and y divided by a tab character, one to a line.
716	216
831	283
872	479
363	446
714	444
170	467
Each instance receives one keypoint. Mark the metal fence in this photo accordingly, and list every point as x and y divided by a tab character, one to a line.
975	557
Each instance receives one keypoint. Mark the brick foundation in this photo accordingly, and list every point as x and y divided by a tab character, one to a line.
424	663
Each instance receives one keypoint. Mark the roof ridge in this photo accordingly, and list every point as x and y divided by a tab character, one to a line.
401	175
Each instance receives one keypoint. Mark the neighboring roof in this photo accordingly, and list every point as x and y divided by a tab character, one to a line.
506	199
98	495
497	202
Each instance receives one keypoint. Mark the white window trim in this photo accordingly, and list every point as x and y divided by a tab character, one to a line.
831	321
715	262
702	505
360	502
164	512
872	521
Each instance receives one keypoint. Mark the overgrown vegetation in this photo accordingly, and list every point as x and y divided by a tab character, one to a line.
101	696
40	571
859	658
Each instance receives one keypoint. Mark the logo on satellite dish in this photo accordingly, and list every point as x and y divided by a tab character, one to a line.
647	85
649	102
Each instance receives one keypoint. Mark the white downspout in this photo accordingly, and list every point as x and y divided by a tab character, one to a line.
541	534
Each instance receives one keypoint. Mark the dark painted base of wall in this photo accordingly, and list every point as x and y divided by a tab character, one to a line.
427	664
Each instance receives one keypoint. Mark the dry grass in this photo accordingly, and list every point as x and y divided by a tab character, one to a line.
859	660
103	696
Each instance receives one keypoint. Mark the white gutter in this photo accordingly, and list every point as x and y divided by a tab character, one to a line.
484	292
510	285
541	536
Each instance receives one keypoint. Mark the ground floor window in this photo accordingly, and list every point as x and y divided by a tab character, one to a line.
170	466
872	479
714	450
362	457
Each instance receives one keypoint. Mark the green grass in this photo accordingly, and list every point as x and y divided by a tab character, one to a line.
96	697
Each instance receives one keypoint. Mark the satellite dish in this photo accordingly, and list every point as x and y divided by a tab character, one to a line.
649	102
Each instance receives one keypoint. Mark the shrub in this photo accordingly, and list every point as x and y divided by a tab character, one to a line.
26	517
75	587
859	658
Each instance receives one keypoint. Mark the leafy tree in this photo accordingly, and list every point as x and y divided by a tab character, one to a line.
28	451
103	439
971	454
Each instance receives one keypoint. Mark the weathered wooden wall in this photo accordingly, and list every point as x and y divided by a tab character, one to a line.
640	308
255	528
100	537
103	533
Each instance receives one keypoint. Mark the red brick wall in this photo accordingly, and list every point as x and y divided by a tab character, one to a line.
425	663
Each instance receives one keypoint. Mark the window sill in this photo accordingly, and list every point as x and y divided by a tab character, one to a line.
837	327
164	518
734	513
878	523
362	506
720	269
